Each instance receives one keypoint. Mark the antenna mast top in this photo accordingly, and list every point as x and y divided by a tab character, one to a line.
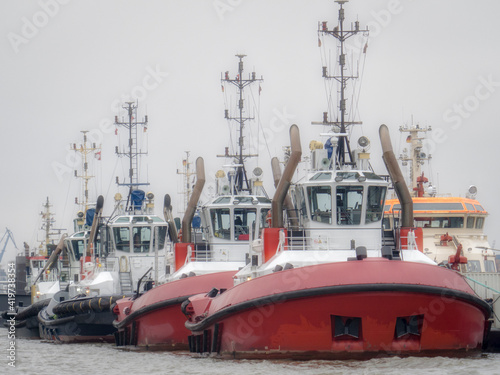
241	182
84	150
133	152
340	126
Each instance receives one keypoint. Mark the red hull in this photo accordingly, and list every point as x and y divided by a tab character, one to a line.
342	310
155	320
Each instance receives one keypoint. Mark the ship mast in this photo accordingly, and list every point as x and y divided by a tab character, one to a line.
47	226
133	152
340	126
85	150
415	157
241	182
186	172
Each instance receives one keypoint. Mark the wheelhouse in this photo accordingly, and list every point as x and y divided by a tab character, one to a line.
136	234
448	222
233	218
442	212
341	199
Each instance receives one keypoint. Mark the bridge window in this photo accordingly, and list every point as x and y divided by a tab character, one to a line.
470	222
142	239
479	222
489	266
375	203
243	219
473	266
300	203
263	216
122	238
162	234
349	202
439	222
221	222
320	203
78	248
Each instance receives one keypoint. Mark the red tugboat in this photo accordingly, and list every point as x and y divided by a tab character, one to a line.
340	303
203	259
329	287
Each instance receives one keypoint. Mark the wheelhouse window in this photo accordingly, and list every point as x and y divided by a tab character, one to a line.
121	236
489	265
320	203
349	203
375	203
470	222
162	234
263	216
301	203
473	266
439	222
243	219
141	239
479	222
469	207
221	222
78	248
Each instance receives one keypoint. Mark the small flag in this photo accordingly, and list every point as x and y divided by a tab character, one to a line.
319	42
98	155
145	129
222	86
365	47
116	131
260	89
408	139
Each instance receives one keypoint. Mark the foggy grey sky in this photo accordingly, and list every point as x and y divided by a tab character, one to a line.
66	64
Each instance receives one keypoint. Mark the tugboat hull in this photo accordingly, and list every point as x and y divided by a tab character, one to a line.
155	321
356	309
87	319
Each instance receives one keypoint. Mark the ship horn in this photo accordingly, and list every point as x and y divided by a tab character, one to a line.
193	201
286	178
275	166
397	178
167	214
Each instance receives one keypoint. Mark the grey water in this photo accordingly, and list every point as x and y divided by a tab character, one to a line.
39	357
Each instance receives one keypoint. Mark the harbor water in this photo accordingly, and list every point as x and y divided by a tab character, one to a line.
44	358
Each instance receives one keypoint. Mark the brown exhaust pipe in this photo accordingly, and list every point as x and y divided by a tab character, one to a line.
169	218
193	201
53	257
276	169
95	221
397	178
286	178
